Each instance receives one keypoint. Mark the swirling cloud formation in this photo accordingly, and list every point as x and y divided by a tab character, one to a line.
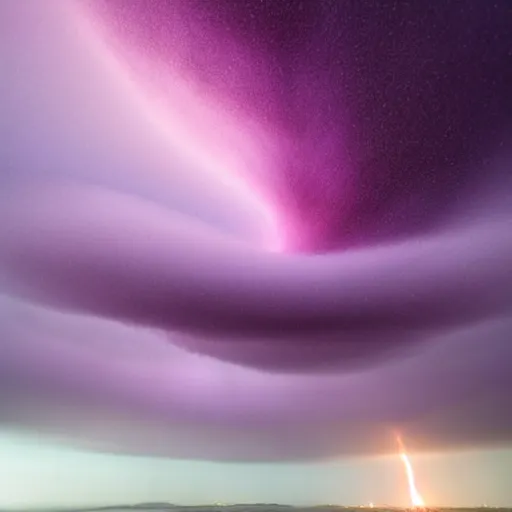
253	230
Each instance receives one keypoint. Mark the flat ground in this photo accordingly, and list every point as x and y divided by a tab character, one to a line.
263	507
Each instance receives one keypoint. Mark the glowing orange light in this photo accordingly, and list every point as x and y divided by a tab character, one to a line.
416	499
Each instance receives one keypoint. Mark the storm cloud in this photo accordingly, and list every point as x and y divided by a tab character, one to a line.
254	230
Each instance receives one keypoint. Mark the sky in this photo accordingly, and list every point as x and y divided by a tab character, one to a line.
238	235
41	472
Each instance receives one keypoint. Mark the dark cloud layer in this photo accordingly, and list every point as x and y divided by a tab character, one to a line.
254	230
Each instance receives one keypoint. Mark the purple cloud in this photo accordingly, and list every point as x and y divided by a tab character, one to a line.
215	231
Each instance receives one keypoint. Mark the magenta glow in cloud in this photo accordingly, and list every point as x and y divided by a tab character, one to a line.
222	222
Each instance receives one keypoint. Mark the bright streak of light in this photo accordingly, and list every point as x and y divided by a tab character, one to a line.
415	497
199	133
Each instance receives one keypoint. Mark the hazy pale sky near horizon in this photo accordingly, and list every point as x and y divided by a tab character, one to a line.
38	472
